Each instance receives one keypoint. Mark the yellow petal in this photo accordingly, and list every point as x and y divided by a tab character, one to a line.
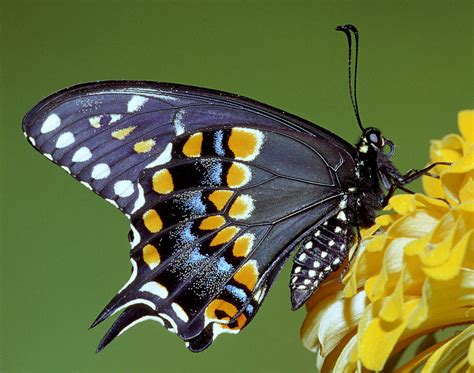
403	203
454	178
466	124
444	303
441	360
415	247
452	266
470	354
466	193
347	361
377	338
433	255
329	325
433	187
392	306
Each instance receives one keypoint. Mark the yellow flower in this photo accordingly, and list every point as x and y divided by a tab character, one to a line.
413	276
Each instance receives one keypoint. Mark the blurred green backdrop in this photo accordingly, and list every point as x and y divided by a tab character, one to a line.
64	251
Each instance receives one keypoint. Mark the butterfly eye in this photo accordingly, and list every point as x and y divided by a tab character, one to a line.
375	138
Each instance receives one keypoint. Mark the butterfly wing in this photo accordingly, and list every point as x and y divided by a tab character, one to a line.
218	189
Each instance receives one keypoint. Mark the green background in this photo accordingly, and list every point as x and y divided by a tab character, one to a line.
64	251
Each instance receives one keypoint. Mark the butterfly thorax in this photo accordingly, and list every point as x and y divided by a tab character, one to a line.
326	247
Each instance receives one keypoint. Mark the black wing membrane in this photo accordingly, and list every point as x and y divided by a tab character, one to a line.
218	188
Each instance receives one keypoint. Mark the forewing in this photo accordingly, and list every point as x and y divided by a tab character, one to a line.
218	189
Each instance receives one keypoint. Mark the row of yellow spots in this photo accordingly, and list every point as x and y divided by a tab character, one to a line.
245	143
152	221
162	181
193	146
140	147
151	256
220	198
247	275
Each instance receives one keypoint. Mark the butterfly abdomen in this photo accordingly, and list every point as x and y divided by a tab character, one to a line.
321	253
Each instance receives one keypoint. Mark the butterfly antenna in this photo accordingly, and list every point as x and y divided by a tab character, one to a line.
346	29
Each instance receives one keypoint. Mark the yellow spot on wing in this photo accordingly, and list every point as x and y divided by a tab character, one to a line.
247	275
224	236
238	175
151	256
212	222
144	146
122	133
220	309
152	221
192	147
220	197
242	207
245	143
243	245
163	182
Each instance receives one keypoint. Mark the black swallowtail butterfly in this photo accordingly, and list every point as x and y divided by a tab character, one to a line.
219	190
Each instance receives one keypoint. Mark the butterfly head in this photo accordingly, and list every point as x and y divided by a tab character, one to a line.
373	140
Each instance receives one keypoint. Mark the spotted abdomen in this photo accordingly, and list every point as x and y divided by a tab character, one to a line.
321	253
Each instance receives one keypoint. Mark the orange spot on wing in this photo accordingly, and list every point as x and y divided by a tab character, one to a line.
243	245
212	222
242	207
238	175
244	143
152	221
163	182
247	275
123	133
151	256
239	323
220	198
144	146
224	236
220	309
192	147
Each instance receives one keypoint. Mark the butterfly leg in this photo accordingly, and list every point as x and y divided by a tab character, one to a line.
322	253
401	180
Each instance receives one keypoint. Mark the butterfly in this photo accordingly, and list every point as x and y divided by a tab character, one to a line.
220	190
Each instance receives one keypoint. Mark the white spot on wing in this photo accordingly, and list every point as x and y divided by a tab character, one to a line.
87	185
49	156
135	103
51	123
178	124
140	201
32	140
156	288
136	236
64	140
112	202
174	327
95	121
180	312
100	171
163	158
132	277
114	118
123	188
82	155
